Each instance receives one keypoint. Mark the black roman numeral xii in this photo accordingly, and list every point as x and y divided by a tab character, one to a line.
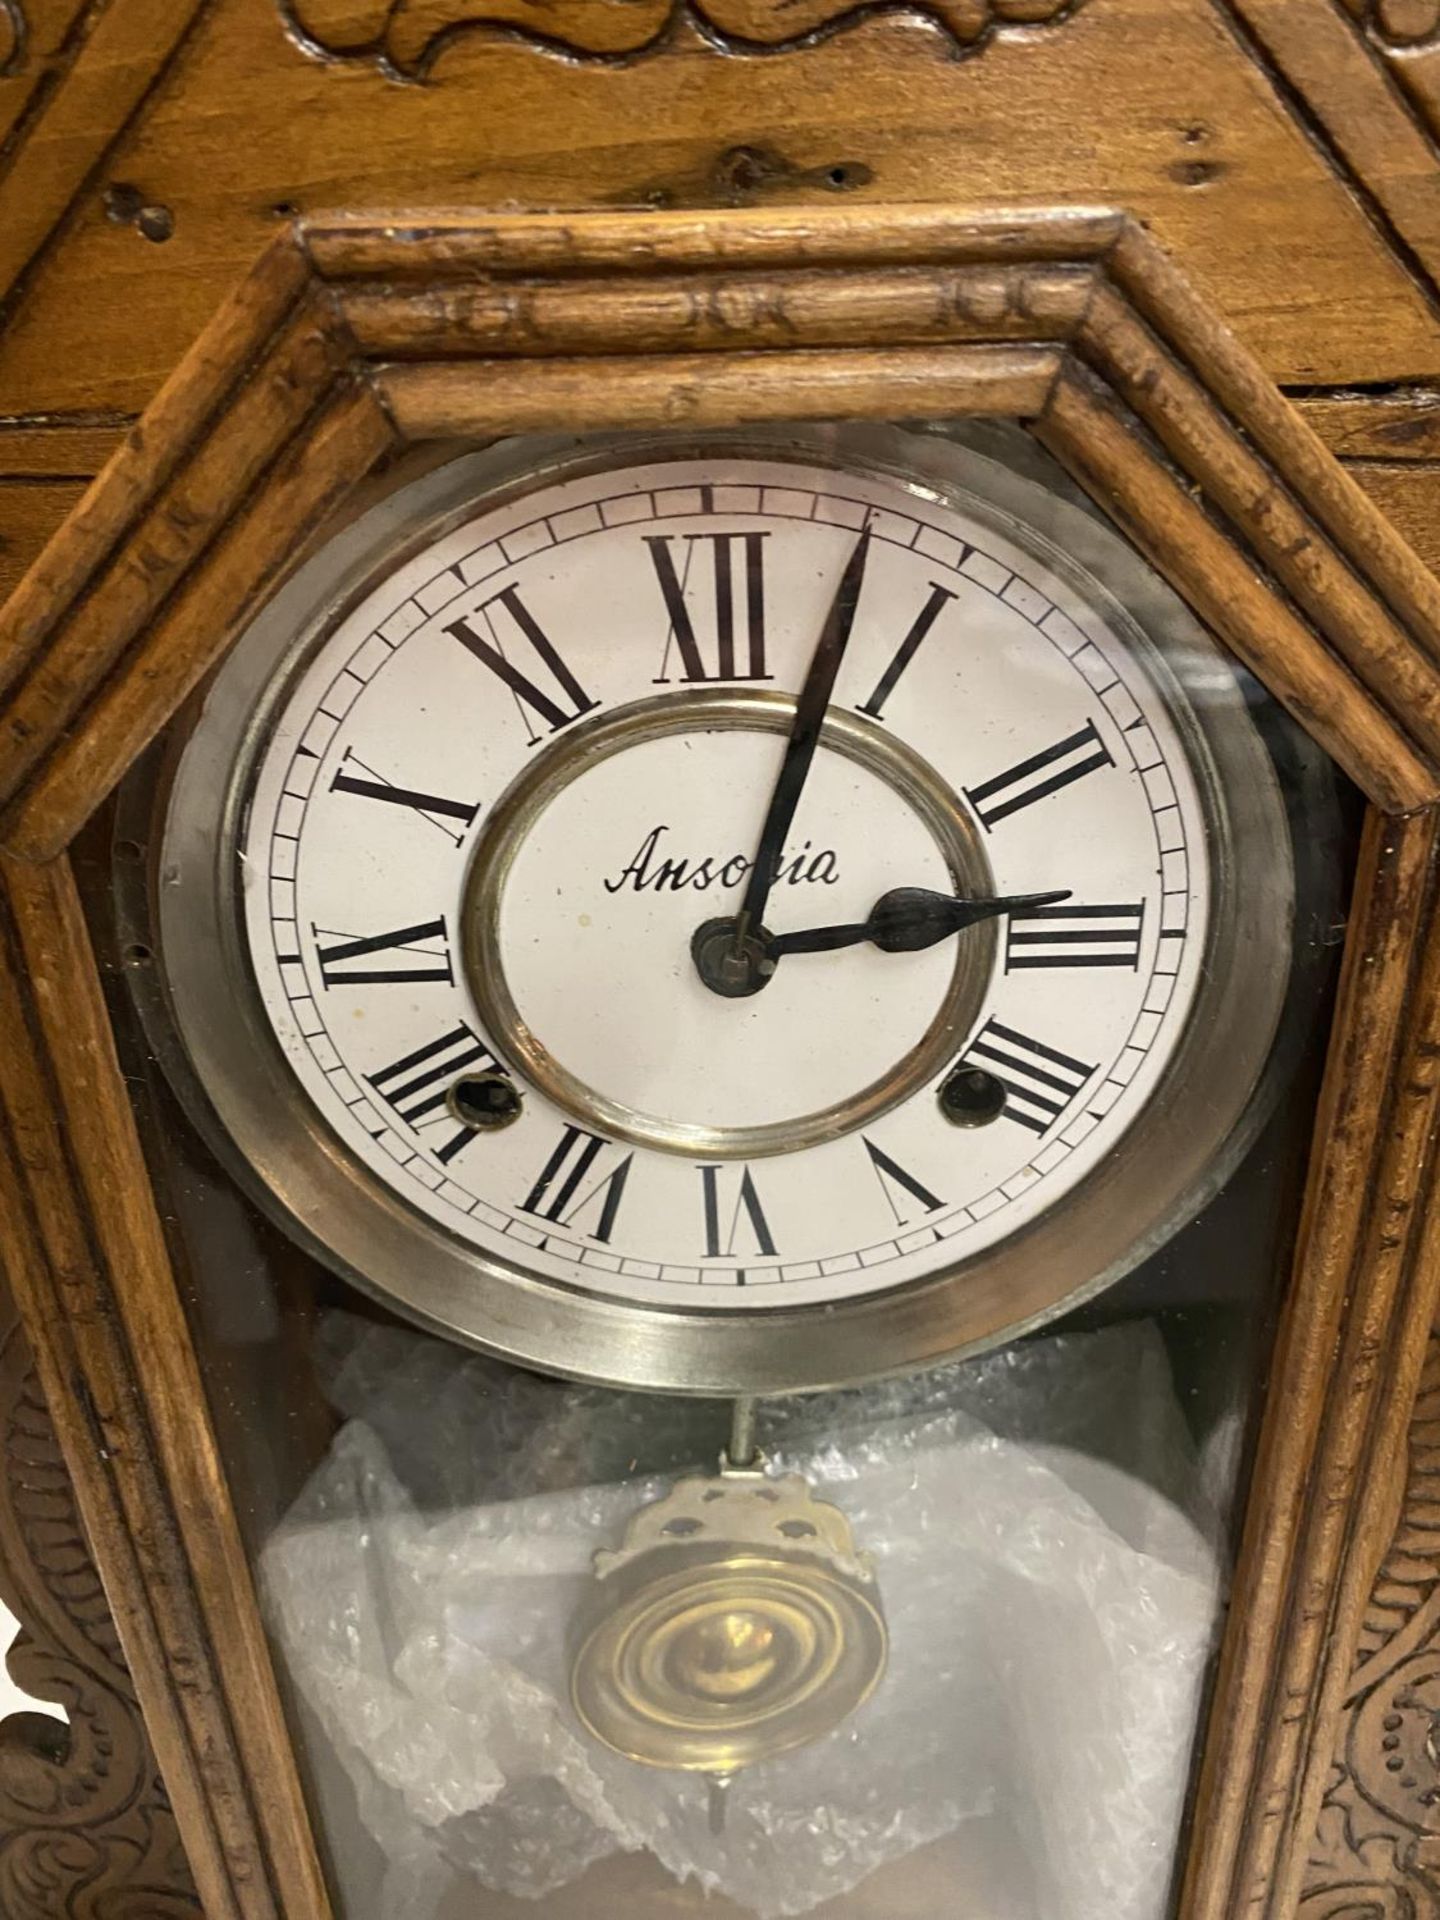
737	570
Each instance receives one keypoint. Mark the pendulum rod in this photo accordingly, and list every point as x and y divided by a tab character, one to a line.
719	1801
741	1451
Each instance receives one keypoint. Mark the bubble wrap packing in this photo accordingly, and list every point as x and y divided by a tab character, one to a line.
1046	1558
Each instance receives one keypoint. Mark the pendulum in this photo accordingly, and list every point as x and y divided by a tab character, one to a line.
736	1621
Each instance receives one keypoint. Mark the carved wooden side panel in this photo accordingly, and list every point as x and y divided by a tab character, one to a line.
86	1828
1377	1851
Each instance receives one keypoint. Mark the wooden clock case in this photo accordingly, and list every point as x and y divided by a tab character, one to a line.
990	285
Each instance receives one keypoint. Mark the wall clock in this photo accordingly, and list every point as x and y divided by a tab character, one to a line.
678	857
472	816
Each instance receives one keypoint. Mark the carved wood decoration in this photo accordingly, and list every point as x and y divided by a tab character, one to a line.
354	336
85	1825
1345	1372
1406	35
1378	1845
153	145
148	148
404	37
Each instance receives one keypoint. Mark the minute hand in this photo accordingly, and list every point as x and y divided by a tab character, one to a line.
907	919
810	709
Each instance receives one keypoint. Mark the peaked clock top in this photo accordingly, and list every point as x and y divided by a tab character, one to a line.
353	337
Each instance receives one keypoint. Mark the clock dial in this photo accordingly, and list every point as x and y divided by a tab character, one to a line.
558	975
522	772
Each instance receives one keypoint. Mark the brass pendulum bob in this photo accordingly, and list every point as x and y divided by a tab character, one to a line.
736	1621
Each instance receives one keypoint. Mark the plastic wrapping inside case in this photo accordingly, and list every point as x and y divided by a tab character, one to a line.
1046	1544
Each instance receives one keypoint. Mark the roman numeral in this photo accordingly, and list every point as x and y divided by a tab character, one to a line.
416	953
1039	1081
557	1194
890	1174
555	712
909	647
682	634
1022	785
371	788
415	1086
720	1244
1074	936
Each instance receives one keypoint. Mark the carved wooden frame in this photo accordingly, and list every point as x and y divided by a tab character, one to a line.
85	1822
355	336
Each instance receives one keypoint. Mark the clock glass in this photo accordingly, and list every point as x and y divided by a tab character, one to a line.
667	885
729	1024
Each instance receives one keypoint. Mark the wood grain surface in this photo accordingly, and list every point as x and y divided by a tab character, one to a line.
1342	1383
1171	108
954	203
281	409
87	1263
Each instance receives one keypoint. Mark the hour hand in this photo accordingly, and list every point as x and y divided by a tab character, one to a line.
907	919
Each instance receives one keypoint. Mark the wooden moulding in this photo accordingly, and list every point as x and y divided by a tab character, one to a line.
909	306
87	1262
1192	429
358	335
181	522
481	399
473	328
1237	382
341	444
363	247
1086	431
182	411
1343	1381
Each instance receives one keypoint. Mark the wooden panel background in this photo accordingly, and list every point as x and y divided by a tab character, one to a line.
153	144
159	197
1287	152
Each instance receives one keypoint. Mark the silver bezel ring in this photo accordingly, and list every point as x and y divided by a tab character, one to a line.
230	1069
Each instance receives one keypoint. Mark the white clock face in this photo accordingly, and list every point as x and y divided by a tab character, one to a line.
494	807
